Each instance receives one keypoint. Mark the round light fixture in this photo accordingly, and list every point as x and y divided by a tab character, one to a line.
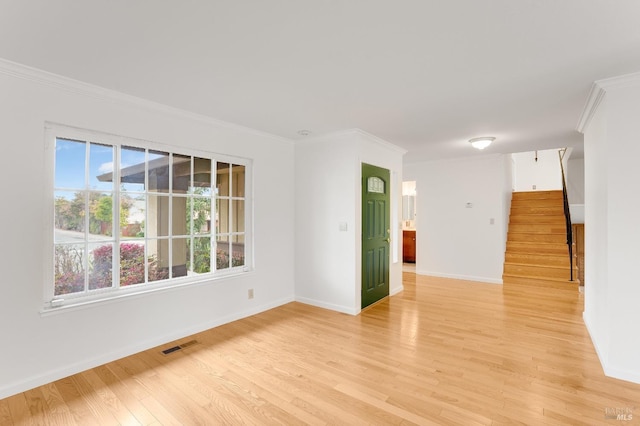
481	143
304	132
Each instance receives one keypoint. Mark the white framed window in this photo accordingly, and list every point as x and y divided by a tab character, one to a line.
130	216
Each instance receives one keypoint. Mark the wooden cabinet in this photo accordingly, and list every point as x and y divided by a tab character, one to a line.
409	246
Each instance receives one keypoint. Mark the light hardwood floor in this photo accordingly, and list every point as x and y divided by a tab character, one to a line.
441	352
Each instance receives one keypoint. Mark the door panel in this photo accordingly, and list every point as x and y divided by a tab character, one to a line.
375	234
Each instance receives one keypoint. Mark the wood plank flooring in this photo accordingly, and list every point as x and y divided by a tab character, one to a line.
441	352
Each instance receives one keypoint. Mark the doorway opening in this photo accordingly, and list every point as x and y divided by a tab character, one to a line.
409	226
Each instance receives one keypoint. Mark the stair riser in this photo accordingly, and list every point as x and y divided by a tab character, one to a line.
559	249
537	210
541	238
561	261
558	220
537	228
532	195
538	272
537	203
513	283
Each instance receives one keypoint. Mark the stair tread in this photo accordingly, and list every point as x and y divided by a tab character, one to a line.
538	265
531	277
537	233
551	243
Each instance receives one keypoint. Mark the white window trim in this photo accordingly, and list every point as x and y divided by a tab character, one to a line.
64	303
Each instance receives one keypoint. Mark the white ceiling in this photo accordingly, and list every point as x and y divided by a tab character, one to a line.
426	75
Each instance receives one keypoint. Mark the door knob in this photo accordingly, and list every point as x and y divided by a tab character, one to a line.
388	240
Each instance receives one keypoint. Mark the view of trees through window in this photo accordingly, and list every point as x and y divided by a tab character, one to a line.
126	215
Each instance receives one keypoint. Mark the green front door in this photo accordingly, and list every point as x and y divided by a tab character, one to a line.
375	234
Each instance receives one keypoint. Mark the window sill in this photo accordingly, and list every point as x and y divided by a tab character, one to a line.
75	304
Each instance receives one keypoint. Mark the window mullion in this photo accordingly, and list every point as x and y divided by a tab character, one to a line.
214	208
146	216
231	221
87	215
115	265
170	226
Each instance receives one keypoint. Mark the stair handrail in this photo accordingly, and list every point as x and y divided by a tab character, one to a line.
567	212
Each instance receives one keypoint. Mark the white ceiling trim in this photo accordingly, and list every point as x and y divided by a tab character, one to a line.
593	101
16	70
352	132
598	92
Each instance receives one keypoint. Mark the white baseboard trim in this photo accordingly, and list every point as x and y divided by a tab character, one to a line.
68	370
396	290
615	373
593	341
627	376
326	305
461	277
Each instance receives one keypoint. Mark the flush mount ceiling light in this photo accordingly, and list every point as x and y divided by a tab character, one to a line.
481	143
304	132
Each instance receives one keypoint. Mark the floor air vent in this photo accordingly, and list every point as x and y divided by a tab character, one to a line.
177	348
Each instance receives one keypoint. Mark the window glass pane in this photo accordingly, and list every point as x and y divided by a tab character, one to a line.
69	268
201	255
201	176
70	164
238	216
222	252
222	216
238	180
100	266
181	173
179	218
101	167
180	254
157	224
131	263
132	169
158	259
222	182
100	215
69	216
158	171
237	244
132	215
201	215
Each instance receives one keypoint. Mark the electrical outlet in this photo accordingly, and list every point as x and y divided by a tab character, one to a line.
250	293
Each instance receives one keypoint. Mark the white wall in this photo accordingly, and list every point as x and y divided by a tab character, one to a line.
575	181
596	311
544	174
328	193
453	240
325	176
575	189
39	349
612	251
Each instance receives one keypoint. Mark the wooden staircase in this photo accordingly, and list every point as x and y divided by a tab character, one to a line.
537	252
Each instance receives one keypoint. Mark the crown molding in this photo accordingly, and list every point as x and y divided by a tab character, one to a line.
355	132
69	85
388	145
597	94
